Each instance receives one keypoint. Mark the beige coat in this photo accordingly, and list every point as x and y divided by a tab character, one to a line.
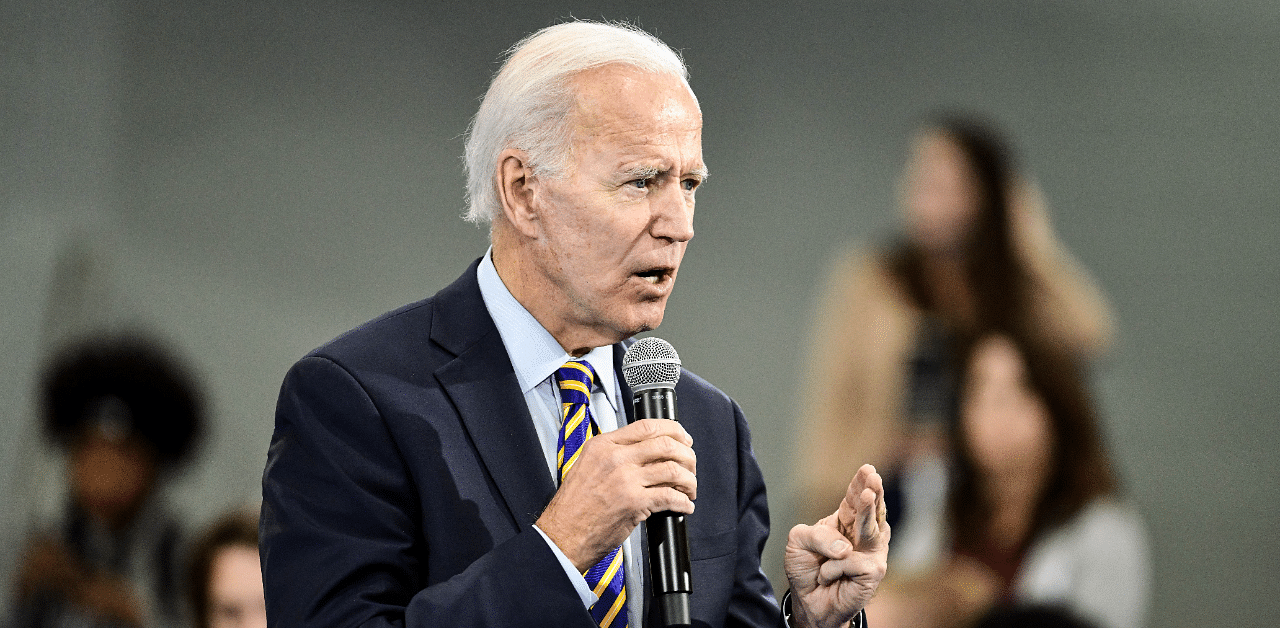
862	336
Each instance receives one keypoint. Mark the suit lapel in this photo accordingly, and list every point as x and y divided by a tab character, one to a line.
483	387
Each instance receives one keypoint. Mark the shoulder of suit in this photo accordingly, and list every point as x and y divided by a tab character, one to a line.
408	315
691	385
396	340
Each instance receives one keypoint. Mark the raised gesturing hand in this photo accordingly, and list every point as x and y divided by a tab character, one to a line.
835	566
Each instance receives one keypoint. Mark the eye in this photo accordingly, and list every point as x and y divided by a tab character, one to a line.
690	184
639	183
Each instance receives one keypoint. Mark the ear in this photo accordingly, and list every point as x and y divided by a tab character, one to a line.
516	191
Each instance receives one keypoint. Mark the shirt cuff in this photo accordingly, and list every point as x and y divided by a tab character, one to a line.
858	621
579	582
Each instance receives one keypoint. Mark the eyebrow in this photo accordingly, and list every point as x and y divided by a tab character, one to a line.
641	172
649	172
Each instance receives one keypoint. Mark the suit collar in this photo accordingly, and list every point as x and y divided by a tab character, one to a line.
482	385
461	320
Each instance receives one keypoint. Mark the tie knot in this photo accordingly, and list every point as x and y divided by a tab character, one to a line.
576	380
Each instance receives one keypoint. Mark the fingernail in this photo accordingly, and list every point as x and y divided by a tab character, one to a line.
839	547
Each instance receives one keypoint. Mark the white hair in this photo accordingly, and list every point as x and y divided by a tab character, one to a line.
529	101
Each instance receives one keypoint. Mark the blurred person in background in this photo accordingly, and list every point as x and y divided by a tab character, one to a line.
978	253
126	414
224	584
1033	514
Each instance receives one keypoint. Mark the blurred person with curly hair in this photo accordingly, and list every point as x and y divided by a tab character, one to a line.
126	414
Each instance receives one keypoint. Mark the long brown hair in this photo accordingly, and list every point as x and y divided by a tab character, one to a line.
1079	471
994	272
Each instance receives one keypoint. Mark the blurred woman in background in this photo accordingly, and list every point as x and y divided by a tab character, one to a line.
1033	515
977	254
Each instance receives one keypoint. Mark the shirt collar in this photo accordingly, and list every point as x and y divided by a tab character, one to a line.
534	352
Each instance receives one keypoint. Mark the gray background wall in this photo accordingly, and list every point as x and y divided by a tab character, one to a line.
249	179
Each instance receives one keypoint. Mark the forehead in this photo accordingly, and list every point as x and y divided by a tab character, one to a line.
622	105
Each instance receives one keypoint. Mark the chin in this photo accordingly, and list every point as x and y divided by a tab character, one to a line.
629	331
644	322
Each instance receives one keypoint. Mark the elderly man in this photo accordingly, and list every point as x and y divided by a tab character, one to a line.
418	473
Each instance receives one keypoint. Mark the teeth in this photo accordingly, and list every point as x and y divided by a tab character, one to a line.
652	279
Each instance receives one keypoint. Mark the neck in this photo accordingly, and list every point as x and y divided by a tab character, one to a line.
531	289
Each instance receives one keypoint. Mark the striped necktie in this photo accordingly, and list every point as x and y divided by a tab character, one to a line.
606	578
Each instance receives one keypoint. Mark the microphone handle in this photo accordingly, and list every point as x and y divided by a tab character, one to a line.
668	541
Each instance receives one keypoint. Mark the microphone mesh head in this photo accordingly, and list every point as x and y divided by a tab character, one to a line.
651	362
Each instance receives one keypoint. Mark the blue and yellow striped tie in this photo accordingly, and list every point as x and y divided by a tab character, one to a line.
607	578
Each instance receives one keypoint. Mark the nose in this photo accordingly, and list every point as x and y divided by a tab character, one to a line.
673	215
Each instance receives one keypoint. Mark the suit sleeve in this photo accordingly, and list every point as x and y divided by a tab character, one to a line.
340	538
752	603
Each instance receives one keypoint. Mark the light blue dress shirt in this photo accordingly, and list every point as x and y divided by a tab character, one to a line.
536	355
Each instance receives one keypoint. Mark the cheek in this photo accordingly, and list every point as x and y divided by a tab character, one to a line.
986	443
1038	430
601	255
1008	437
583	247
993	435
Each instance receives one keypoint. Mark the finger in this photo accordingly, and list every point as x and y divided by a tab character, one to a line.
830	520
846	518
646	429
882	509
868	523
855	509
666	498
670	474
875	524
871	478
662	449
824	541
835	570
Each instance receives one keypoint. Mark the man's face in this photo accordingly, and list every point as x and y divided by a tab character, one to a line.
614	227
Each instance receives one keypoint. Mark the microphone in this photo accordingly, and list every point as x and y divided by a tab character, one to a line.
652	368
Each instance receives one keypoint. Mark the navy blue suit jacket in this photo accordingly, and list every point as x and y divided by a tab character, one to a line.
405	475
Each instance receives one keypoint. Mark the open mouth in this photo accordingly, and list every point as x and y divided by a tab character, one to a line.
654	275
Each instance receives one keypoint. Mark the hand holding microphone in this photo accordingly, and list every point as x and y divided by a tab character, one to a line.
652	368
620	479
